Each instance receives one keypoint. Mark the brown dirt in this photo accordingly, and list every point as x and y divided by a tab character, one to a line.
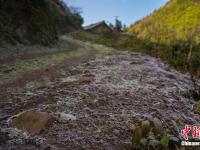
107	95
48	71
32	121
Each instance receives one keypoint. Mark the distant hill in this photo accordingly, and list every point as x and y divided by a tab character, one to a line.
35	21
176	20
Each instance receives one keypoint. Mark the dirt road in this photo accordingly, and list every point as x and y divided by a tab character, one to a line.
96	101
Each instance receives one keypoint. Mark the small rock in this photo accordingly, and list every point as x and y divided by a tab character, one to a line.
154	143
67	117
174	139
96	101
116	131
148	117
14	133
32	121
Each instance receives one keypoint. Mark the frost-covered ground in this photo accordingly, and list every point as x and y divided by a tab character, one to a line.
97	103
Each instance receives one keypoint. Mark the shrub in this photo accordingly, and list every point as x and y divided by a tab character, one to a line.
150	134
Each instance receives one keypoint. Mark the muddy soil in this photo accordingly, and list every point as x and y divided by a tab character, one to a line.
97	102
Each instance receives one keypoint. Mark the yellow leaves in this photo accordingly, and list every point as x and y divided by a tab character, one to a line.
182	16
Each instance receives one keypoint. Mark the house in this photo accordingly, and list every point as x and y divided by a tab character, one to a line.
98	27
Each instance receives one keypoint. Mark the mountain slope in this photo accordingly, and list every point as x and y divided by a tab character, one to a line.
35	21
177	19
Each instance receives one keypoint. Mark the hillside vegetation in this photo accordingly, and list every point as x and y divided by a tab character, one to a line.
174	33
171	33
176	20
35	21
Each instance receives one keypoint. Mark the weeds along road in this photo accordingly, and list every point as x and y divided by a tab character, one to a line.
88	99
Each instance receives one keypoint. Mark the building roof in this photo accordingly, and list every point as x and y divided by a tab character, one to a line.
89	27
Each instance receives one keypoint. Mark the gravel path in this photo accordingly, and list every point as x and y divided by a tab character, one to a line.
105	98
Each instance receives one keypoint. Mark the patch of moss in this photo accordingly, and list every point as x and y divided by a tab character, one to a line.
68	101
16	69
198	107
33	85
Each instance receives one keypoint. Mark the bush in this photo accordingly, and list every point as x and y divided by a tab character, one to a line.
36	21
150	135
174	54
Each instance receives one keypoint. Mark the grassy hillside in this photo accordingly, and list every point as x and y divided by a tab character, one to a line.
168	34
134	43
176	20
35	21
174	31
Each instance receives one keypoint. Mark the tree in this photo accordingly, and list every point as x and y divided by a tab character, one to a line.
75	10
111	25
118	25
124	28
192	39
63	5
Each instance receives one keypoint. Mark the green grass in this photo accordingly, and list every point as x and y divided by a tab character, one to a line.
16	69
113	40
134	43
198	107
